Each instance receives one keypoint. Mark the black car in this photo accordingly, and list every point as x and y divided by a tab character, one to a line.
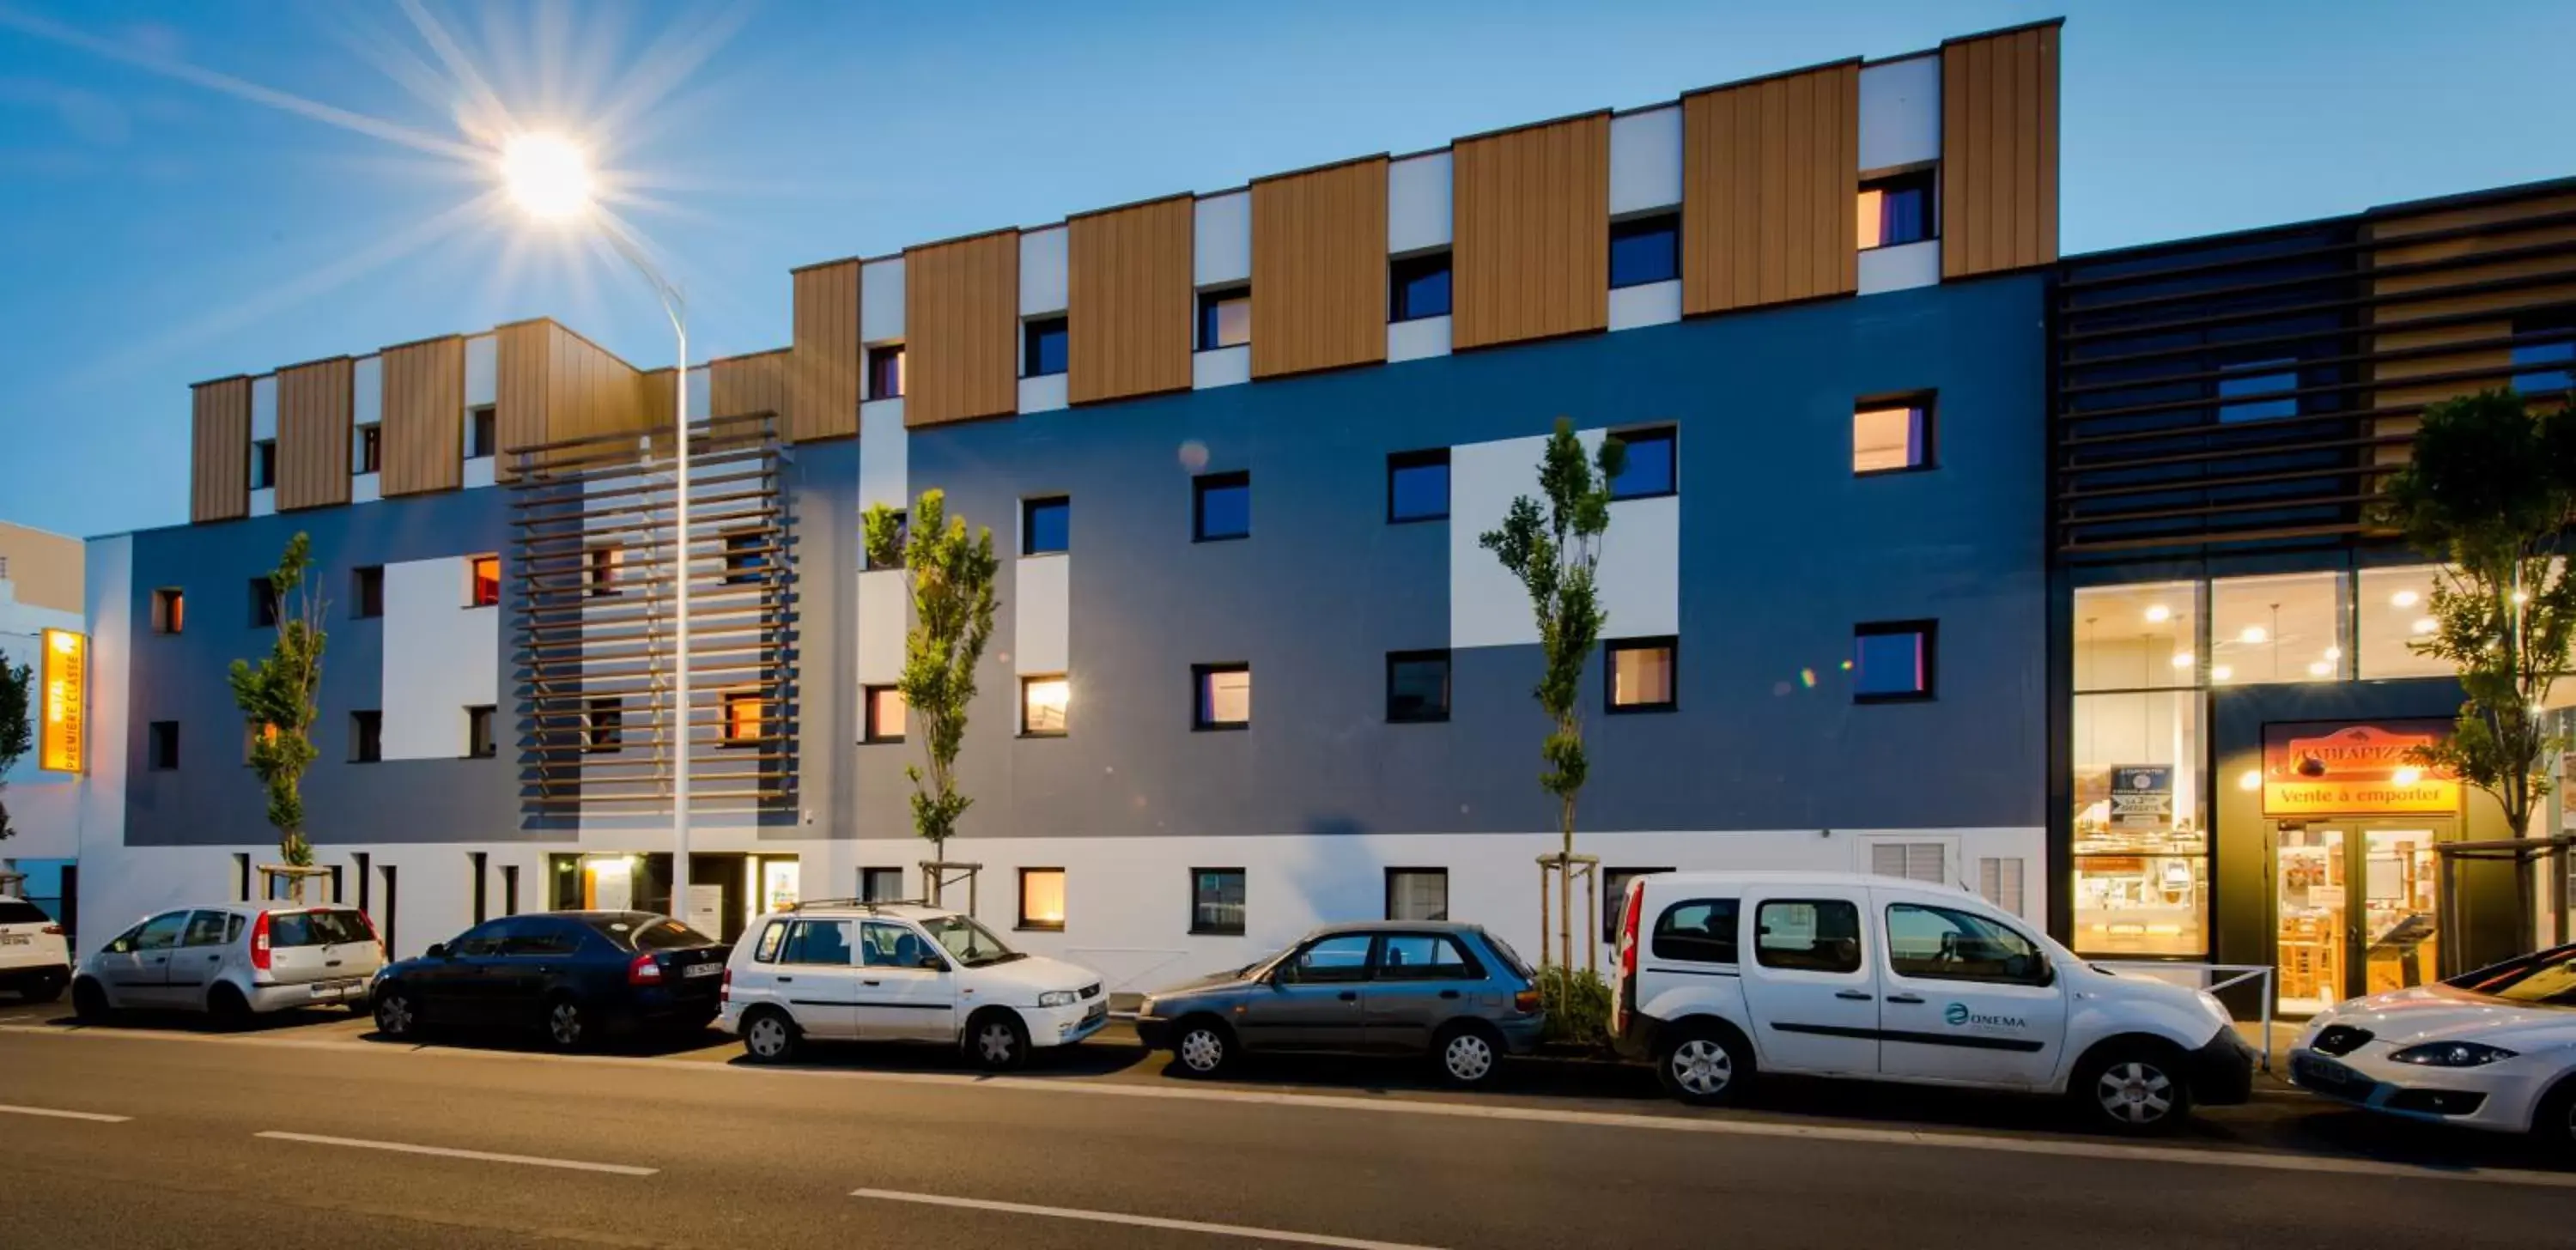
572	976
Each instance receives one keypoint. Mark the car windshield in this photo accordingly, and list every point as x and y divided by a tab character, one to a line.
972	944
315	928
2547	979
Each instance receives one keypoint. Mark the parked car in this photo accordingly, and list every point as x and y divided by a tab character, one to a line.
2492	1049
34	961
844	970
1452	992
233	960
1723	975
572	977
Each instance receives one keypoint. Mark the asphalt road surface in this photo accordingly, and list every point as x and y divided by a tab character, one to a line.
306	1132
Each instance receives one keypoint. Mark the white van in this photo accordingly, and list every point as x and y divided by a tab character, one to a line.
1722	975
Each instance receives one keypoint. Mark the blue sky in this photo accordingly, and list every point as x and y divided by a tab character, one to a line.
171	208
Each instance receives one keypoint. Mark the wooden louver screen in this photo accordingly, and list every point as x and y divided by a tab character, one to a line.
1319	269
423	428
823	397
219	459
961	316
313	408
1770	184
1130	311
1531	223
1999	152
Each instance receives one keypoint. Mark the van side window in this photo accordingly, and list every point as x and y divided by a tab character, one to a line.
1808	935
1940	944
1700	931
824	942
767	951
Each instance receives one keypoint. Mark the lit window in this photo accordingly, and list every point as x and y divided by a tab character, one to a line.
1221	506
482	432
2394	611
1223	696
2140	819
1042	705
367	587
2140	636
2281	628
1216	900
169	610
1225	318
263	464
1043	353
1892	661
371	448
1042	898
479	743
1417	287
1417	686
605	564
1046	526
885	708
1641	674
485	588
743	710
885	372
603	723
1417	485
1417	894
1648	470
2258	390
1896	210
1889	437
1647	249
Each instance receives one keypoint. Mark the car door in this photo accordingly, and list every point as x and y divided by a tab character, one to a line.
1312	999
1810	988
907	987
537	954
819	979
136	966
1965	997
1417	982
199	956
450	985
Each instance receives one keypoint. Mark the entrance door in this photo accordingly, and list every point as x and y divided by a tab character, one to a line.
2354	906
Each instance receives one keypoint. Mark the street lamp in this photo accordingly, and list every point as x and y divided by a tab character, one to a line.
549	176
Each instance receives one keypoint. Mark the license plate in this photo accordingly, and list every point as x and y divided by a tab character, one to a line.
12	939
2326	1074
1098	1011
701	970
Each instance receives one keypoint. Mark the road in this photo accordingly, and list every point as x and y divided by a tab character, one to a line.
308	1132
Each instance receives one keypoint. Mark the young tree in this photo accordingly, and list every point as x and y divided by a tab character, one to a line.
2490	490
1554	549
952	619
276	698
17	732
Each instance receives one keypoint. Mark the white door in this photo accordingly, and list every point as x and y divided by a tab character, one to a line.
907	987
1810	986
1966	998
818	979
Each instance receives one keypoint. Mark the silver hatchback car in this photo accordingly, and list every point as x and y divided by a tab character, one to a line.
1452	992
233	960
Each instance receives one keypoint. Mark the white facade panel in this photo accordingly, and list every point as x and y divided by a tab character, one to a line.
366	488
1226	366
263	502
1900	113
44	807
478	472
1900	268
263	407
885	612
884	464
1042	614
1646	160
1653	304
482	369
367	390
1417	203
1044	394
881	300
440	658
1222	246
1640	574
1417	339
1044	272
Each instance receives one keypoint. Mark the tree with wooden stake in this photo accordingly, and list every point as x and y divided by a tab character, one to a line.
2490	491
17	735
952	620
276	697
1554	549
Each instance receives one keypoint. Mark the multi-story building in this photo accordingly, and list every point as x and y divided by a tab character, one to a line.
40	590
1252	670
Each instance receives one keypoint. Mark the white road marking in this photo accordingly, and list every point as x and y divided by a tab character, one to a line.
51	1114
1679	1122
1137	1221
447	1152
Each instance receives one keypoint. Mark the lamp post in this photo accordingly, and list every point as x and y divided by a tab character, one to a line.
549	176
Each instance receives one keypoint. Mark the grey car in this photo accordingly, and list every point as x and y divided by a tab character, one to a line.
1451	992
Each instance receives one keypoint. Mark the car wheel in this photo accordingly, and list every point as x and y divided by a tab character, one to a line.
1204	1047
89	1002
566	1024
45	989
1704	1066
1468	1055
397	1014
227	1007
769	1037
2553	1125
997	1042
2137	1090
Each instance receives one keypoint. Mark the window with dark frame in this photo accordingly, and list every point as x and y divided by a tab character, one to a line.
606	562
1417	894
478	863
1417	485
263	603
1043	347
1614	896
479	743
1894	661
366	737
746	556
483	431
1645	250
603	723
161	746
371	448
1417	687
1699	931
263	464
885	371
367	591
1044	700
1650	469
483	589
1220	506
1892	435
1216	901
902	538
881	885
1644	674
1896	210
2258	390
1046	525
1417	286
744	712
884	708
1221	696
1225	318
1042	899
1808	935
169	610
2545	359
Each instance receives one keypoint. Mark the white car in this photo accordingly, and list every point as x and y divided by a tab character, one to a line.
843	970
33	958
2491	1049
1722	975
233	960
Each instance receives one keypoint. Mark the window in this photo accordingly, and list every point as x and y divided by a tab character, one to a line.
1046	525
902	538
1892	661
252	736
1700	931
1821	935
481	941
1225	318
169	610
263	603
1417	485
743	710
371	448
1646	249
1927	862
478	734
205	928
885	372
884	709
603	723
1896	210
263	464
2281	628
2394	609
484	583
1417	894
1941	944
824	942
745	556
1220	506
605	565
1043	348
367	591
1042	899
1891	436
1417	687
1216	901
161	746
1642	674
1649	468
2257	390
1417	287
1614	897
1341	958
2546	365
477	865
881	885
1042	705
482	431
1223	698
366	737
1424	957
884	945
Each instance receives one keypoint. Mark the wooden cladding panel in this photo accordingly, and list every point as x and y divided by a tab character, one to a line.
2513	282
823	391
1319	269
423	430
313	412
219	460
961	318
1770	181
525	357
1531	224
588	390
1999	152
740	386
1131	301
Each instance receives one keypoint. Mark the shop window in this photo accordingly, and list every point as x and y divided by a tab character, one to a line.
1417	485
1417	287
1043	702
1896	210
2392	611
1650	467
2137	637
885	372
1643	674
1046	526
1417	894
2141	843
1417	687
1043	347
2259	390
2277	629
483	582
1645	250
1220	506
1225	318
1042	899
1893	661
1892	436
169	610
1216	901
367	591
1223	696
885	713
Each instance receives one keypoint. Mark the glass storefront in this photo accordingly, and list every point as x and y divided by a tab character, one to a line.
2141	812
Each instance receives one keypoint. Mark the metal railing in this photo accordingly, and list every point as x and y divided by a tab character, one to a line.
2213	977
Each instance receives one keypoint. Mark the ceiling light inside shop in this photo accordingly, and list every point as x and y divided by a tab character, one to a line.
2334	653
2404	599
2182	659
2252	633
2321	668
2250	779
2221	673
2158	614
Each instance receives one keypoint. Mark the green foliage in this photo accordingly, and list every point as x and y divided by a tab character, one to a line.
17	727
1577	1001
1555	550
952	620
276	698
2489	490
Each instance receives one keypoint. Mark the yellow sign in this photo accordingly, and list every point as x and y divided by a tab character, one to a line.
63	734
2330	770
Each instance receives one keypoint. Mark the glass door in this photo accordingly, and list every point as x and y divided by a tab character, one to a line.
2400	932
2309	917
2355	906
